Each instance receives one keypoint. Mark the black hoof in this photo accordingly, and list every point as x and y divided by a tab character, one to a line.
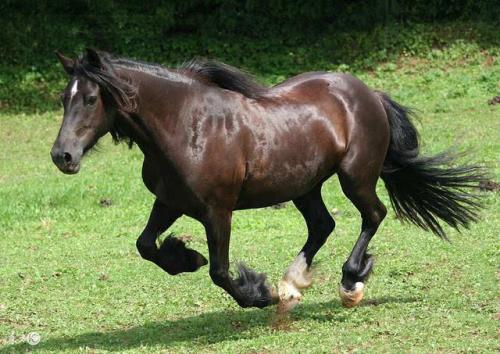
174	257
254	288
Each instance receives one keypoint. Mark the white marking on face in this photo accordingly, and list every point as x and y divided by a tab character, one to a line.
74	89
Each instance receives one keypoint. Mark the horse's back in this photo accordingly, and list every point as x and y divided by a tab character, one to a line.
345	86
351	105
363	117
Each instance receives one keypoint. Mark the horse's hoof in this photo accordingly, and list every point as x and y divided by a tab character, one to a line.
351	298
289	296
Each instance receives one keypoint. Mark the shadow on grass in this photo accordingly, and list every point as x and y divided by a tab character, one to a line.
206	328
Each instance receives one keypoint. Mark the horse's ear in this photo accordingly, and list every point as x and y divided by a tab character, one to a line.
93	58
67	63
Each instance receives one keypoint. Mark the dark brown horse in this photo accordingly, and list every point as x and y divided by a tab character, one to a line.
215	141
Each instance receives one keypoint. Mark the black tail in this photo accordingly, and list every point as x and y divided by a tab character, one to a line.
425	189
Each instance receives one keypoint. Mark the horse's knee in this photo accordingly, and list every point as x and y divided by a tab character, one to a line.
322	228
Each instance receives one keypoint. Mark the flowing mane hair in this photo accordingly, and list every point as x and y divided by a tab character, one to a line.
225	76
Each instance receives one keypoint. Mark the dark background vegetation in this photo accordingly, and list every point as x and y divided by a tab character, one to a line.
271	38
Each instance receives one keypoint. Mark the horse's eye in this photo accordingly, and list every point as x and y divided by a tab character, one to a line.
90	100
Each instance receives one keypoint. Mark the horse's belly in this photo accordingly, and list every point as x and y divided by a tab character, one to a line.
283	181
289	163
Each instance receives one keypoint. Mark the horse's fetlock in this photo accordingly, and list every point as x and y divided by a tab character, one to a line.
218	276
146	250
350	269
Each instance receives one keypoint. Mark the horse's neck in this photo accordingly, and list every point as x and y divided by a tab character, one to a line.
159	101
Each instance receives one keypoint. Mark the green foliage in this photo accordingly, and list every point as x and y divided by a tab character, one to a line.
273	39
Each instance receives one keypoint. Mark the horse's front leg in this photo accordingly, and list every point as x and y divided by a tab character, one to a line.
172	256
249	289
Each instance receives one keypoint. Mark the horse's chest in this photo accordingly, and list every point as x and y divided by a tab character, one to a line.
168	187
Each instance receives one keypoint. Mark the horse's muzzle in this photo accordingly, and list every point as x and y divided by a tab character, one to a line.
67	162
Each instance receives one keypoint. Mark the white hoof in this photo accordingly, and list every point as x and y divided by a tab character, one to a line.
288	291
289	296
351	298
296	278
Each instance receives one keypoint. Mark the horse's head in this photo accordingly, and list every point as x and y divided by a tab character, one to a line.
93	95
85	119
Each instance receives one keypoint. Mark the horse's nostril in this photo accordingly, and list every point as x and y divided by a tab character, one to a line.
67	157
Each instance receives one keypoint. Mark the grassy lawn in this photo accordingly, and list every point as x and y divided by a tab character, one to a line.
69	269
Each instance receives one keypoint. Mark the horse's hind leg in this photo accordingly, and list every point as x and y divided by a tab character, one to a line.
319	226
360	189
172	256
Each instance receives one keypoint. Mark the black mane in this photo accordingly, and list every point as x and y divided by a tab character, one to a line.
100	70
98	66
225	76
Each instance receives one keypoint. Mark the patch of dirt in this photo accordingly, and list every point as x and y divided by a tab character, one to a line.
281	321
489	186
185	238
495	100
237	325
335	212
105	202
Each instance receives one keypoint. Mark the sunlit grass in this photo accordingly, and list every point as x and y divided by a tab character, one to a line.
70	272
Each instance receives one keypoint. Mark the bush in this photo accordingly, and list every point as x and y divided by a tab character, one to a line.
271	38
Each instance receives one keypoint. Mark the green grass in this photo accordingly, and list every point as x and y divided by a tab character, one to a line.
69	269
